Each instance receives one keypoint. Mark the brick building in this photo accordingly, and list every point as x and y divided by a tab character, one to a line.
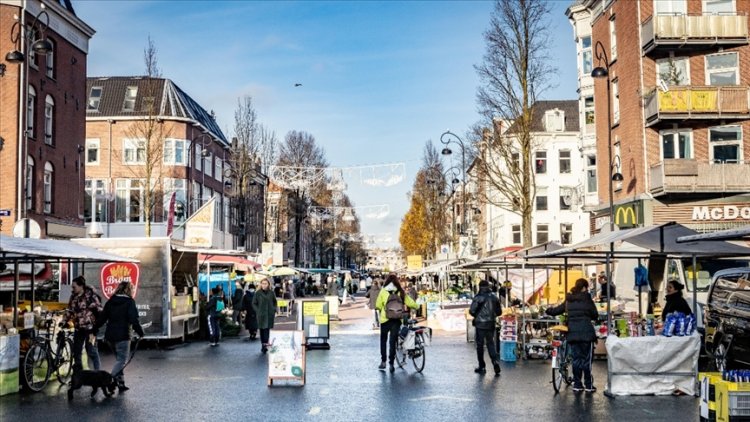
42	116
679	73
193	163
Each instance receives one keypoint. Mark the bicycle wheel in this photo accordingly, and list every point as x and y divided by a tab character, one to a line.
65	361
418	354
566	364
400	353
557	379
36	368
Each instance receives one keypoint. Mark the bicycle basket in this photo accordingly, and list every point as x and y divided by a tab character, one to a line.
410	340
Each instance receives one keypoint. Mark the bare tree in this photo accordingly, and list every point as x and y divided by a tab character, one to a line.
514	72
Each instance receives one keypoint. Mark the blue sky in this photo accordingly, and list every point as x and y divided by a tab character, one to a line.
378	79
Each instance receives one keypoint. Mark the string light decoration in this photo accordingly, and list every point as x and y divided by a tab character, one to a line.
383	175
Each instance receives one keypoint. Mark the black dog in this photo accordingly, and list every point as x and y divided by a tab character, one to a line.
95	379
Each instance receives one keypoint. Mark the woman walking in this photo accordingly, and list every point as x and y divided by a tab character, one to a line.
251	319
391	303
264	304
372	295
581	335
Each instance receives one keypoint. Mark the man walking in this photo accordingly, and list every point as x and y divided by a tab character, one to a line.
84	308
485	308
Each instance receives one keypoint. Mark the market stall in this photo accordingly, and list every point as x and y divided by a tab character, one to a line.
445	309
655	241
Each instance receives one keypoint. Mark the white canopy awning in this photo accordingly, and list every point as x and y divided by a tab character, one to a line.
25	250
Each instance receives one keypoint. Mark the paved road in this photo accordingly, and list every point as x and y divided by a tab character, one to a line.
197	382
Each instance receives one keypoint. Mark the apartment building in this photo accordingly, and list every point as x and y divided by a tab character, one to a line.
678	74
43	53
189	157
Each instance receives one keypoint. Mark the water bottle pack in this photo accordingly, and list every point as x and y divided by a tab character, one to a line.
678	324
736	375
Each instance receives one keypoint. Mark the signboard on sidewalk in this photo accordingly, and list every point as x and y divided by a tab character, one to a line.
286	356
314	320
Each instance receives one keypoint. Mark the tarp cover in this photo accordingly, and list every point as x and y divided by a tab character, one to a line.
52	249
653	365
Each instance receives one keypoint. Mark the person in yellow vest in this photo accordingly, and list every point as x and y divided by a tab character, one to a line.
392	302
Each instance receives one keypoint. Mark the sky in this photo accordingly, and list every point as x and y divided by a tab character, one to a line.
379	79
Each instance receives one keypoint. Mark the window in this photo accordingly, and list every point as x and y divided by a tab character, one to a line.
218	168
541	199
135	151
676	144
92	152
29	183
516	233
591	186
217	212
49	117
95	205
673	71
198	157
725	144
540	162
718	6
174	151
670	7
586	55
566	233
95	97
50	60
130	93
30	114
207	167
615	101
554	121
565	161
588	114
612	39
515	161
542	233
128	200
48	180
179	187
565	201
722	69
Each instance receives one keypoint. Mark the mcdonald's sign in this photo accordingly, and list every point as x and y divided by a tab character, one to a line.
629	215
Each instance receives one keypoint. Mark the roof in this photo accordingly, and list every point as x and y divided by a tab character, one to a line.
569	107
171	100
731	234
519	258
657	240
25	250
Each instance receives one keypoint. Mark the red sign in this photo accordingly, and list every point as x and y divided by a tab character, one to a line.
117	272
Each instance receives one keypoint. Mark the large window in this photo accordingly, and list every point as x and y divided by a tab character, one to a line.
95	204
591	186
48	180
673	71
718	6
218	207
722	69
566	233
542	233
30	111
92	152
131	93
588	114
615	101
134	151
218	168
515	161
129	200
198	157
174	152
586	55
670	7
178	186
565	166
50	60
49	120
565	201
541	199
676	144
540	162
725	143
516	233
95	97
612	39
207	166
29	183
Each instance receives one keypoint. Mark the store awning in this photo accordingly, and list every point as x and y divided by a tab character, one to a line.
16	249
520	257
239	261
441	266
731	234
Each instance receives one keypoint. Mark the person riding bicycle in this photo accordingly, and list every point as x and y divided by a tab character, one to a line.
391	302
485	308
581	335
84	309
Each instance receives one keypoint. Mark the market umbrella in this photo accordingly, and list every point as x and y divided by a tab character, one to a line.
278	272
255	277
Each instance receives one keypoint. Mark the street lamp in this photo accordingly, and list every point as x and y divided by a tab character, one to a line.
446	138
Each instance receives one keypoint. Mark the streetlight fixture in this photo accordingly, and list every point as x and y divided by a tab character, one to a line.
446	139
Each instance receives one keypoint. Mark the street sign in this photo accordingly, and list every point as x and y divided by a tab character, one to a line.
27	227
4	213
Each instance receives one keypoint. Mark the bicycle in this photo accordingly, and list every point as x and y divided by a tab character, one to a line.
41	360
417	354
561	359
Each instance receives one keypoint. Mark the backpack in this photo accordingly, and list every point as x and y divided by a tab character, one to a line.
219	305
394	306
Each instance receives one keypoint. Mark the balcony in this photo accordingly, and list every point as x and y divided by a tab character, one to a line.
693	31
696	102
695	176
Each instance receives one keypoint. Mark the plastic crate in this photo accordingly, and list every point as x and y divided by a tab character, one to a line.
508	351
708	382
732	401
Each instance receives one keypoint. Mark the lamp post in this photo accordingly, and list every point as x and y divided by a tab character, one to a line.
25	40
446	138
449	177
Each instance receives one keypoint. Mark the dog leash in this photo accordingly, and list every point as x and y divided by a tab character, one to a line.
130	359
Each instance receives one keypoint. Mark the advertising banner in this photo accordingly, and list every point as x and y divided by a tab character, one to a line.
414	262
114	273
199	227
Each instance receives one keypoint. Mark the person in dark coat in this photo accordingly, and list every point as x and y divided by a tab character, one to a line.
675	301
120	314
214	307
237	302
581	335
264	303
251	319
485	308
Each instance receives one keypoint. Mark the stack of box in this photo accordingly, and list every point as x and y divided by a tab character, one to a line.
508	338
